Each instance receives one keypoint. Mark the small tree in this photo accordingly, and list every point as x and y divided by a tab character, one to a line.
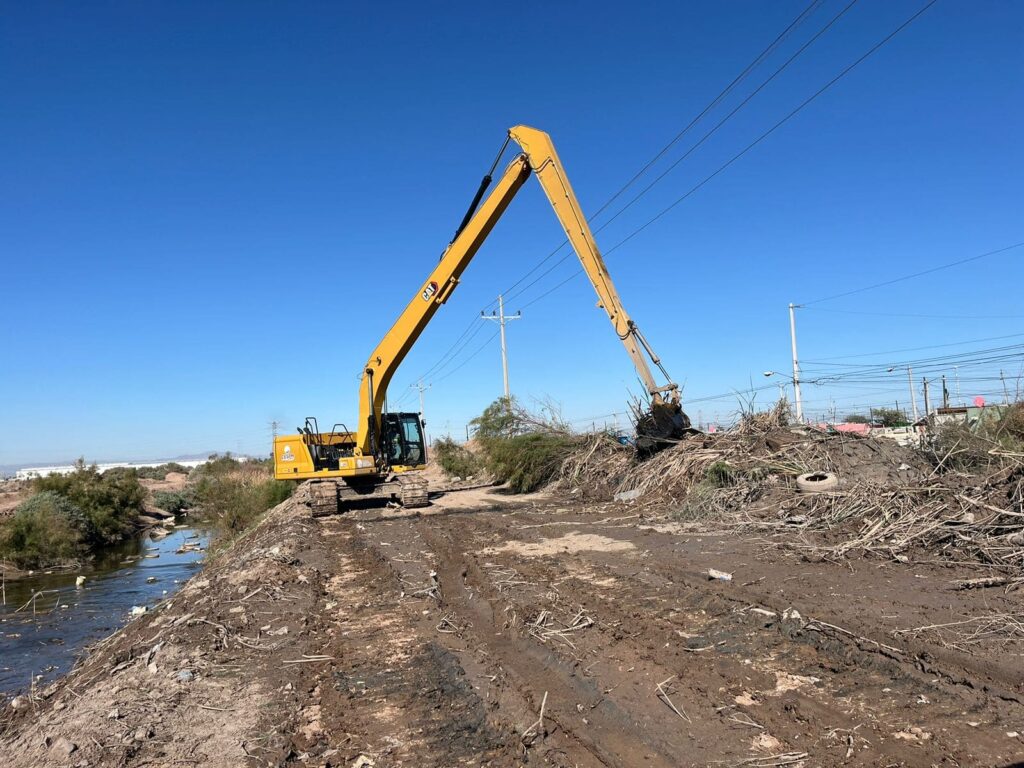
45	529
111	502
856	418
891	417
500	420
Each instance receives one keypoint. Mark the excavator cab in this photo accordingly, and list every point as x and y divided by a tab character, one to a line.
403	446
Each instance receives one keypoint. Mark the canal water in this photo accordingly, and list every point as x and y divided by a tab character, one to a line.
43	639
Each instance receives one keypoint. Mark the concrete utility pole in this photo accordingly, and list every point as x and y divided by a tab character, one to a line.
913	397
796	364
945	393
927	406
419	385
501	318
1006	394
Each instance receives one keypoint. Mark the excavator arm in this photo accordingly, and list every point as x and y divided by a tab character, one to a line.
538	157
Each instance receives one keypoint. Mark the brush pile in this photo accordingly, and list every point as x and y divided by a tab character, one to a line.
892	501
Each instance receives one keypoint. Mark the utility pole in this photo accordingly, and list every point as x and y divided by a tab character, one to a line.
913	397
273	429
501	317
419	385
945	393
927	406
956	376
1006	394
796	365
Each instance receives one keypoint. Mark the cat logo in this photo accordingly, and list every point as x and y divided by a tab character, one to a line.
429	291
287	454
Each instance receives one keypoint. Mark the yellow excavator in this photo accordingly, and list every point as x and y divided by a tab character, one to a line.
380	458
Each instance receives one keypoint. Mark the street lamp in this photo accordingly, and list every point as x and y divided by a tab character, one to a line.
782	387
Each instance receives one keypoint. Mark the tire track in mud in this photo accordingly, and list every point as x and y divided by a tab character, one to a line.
614	734
391	693
750	684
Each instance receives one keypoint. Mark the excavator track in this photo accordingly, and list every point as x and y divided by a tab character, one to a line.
322	497
329	497
413	492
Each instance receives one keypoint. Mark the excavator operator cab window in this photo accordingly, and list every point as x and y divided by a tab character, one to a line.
403	439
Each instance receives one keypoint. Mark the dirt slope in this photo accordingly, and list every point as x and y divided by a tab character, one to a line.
387	639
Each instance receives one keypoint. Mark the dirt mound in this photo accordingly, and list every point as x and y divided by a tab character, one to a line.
188	682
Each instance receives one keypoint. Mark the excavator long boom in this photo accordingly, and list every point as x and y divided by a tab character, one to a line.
538	157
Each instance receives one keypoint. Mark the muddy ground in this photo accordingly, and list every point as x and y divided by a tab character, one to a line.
493	630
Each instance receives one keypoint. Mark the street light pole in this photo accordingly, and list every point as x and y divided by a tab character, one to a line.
796	364
913	397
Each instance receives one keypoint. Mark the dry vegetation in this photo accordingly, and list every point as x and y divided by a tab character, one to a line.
961	499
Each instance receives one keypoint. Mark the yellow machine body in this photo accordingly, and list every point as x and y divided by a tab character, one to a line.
384	443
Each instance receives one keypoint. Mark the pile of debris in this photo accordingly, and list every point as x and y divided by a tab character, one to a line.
885	499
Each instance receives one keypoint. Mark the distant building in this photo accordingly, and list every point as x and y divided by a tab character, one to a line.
28	473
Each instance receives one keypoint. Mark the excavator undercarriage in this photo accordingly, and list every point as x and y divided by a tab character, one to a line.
329	496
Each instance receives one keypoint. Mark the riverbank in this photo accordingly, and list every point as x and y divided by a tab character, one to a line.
69	519
498	630
48	618
150	517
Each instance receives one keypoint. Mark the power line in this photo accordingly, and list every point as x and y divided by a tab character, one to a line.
711	105
779	124
449	352
914	314
740	106
749	147
479	349
915	274
825	360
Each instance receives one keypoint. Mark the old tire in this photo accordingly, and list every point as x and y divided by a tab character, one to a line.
816	482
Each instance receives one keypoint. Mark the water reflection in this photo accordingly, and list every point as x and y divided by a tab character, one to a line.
46	637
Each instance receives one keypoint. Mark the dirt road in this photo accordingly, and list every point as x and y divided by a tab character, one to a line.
493	631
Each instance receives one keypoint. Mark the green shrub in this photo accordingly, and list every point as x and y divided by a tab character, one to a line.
890	417
233	501
521	449
111	502
173	501
45	529
456	460
529	461
161	472
500	420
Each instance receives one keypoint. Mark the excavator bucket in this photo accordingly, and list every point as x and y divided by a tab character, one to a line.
660	426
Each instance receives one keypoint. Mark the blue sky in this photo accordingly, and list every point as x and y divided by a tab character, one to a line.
210	212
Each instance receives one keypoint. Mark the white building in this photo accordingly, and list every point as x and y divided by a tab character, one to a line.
66	469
